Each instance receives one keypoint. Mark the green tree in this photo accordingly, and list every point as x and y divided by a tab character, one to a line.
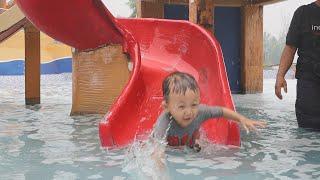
133	7
272	48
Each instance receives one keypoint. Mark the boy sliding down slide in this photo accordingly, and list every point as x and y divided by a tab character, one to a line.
179	123
183	114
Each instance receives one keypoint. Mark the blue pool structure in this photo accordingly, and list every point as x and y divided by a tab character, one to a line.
17	67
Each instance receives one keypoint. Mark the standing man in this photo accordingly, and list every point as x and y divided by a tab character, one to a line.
304	36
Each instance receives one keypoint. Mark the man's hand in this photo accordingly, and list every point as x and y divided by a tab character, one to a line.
280	83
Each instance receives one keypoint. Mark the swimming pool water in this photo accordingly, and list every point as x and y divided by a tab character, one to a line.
44	142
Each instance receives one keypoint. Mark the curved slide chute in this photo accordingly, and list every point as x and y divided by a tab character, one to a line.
156	48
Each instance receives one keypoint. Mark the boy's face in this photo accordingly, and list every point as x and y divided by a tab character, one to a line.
183	108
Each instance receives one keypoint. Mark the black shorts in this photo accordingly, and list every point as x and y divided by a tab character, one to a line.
308	104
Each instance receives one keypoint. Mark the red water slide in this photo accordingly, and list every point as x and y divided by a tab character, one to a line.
156	48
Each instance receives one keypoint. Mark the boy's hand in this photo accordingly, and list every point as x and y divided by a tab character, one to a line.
248	124
251	125
159	159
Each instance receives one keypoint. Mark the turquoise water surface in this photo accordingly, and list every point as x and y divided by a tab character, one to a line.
44	142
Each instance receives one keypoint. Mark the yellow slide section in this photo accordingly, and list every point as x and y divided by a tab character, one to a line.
10	17
12	38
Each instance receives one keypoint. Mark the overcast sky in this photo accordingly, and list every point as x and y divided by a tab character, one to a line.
276	16
118	7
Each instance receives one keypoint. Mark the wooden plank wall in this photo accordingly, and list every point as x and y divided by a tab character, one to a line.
177	1
155	8
201	12
150	9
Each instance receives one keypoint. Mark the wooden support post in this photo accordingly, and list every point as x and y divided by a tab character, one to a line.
95	92
3	4
150	9
252	49
201	12
32	65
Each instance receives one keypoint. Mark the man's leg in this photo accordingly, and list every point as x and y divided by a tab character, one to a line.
308	104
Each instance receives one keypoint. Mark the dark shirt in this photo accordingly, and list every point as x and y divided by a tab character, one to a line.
304	34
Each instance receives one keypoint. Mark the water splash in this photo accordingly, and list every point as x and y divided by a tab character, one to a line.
146	160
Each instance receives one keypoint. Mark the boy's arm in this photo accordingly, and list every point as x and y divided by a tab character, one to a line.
248	124
208	112
161	126
158	135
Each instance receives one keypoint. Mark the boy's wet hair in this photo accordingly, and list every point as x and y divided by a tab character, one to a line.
179	83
